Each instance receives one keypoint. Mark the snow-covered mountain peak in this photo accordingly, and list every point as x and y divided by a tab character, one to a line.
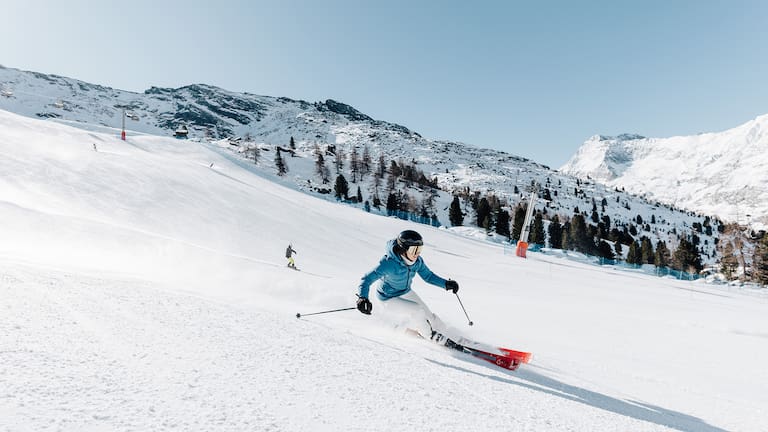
605	158
620	137
721	173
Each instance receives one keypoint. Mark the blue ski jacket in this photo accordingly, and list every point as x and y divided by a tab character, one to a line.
396	276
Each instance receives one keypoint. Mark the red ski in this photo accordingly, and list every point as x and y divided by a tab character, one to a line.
509	359
502	357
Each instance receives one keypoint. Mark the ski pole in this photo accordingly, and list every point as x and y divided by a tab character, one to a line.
298	315
462	308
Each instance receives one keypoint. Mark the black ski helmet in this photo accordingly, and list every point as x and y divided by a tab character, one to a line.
409	238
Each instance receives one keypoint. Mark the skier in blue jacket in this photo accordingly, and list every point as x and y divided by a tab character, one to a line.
392	279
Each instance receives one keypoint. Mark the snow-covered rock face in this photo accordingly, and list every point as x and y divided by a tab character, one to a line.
721	173
605	158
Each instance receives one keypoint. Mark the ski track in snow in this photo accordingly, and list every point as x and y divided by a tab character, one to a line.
85	353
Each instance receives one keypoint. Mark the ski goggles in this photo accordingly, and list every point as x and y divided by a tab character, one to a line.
413	251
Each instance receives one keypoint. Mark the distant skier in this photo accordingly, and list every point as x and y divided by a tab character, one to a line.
289	254
393	276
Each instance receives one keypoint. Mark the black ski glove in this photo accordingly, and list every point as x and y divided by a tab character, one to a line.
364	305
452	285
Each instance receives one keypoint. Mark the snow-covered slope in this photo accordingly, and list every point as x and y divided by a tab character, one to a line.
144	289
721	173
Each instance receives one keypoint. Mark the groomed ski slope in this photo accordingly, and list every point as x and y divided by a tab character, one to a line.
143	289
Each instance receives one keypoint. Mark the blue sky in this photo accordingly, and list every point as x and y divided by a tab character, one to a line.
535	79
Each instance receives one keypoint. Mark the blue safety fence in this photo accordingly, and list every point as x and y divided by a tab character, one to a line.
510	249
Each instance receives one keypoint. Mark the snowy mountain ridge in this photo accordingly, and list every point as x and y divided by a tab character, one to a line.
722	173
207	110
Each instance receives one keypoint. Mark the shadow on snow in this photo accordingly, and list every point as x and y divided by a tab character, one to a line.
637	410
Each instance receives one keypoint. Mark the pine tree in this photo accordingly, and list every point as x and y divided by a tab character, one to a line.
565	239
282	168
646	250
392	204
365	166
662	256
634	255
381	167
482	212
354	165
292	144
604	250
686	257
606	221
580	240
537	230
394	173
339	163
395	169
254	151
555	233
502	222
760	261
341	189
728	263
455	215
320	168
